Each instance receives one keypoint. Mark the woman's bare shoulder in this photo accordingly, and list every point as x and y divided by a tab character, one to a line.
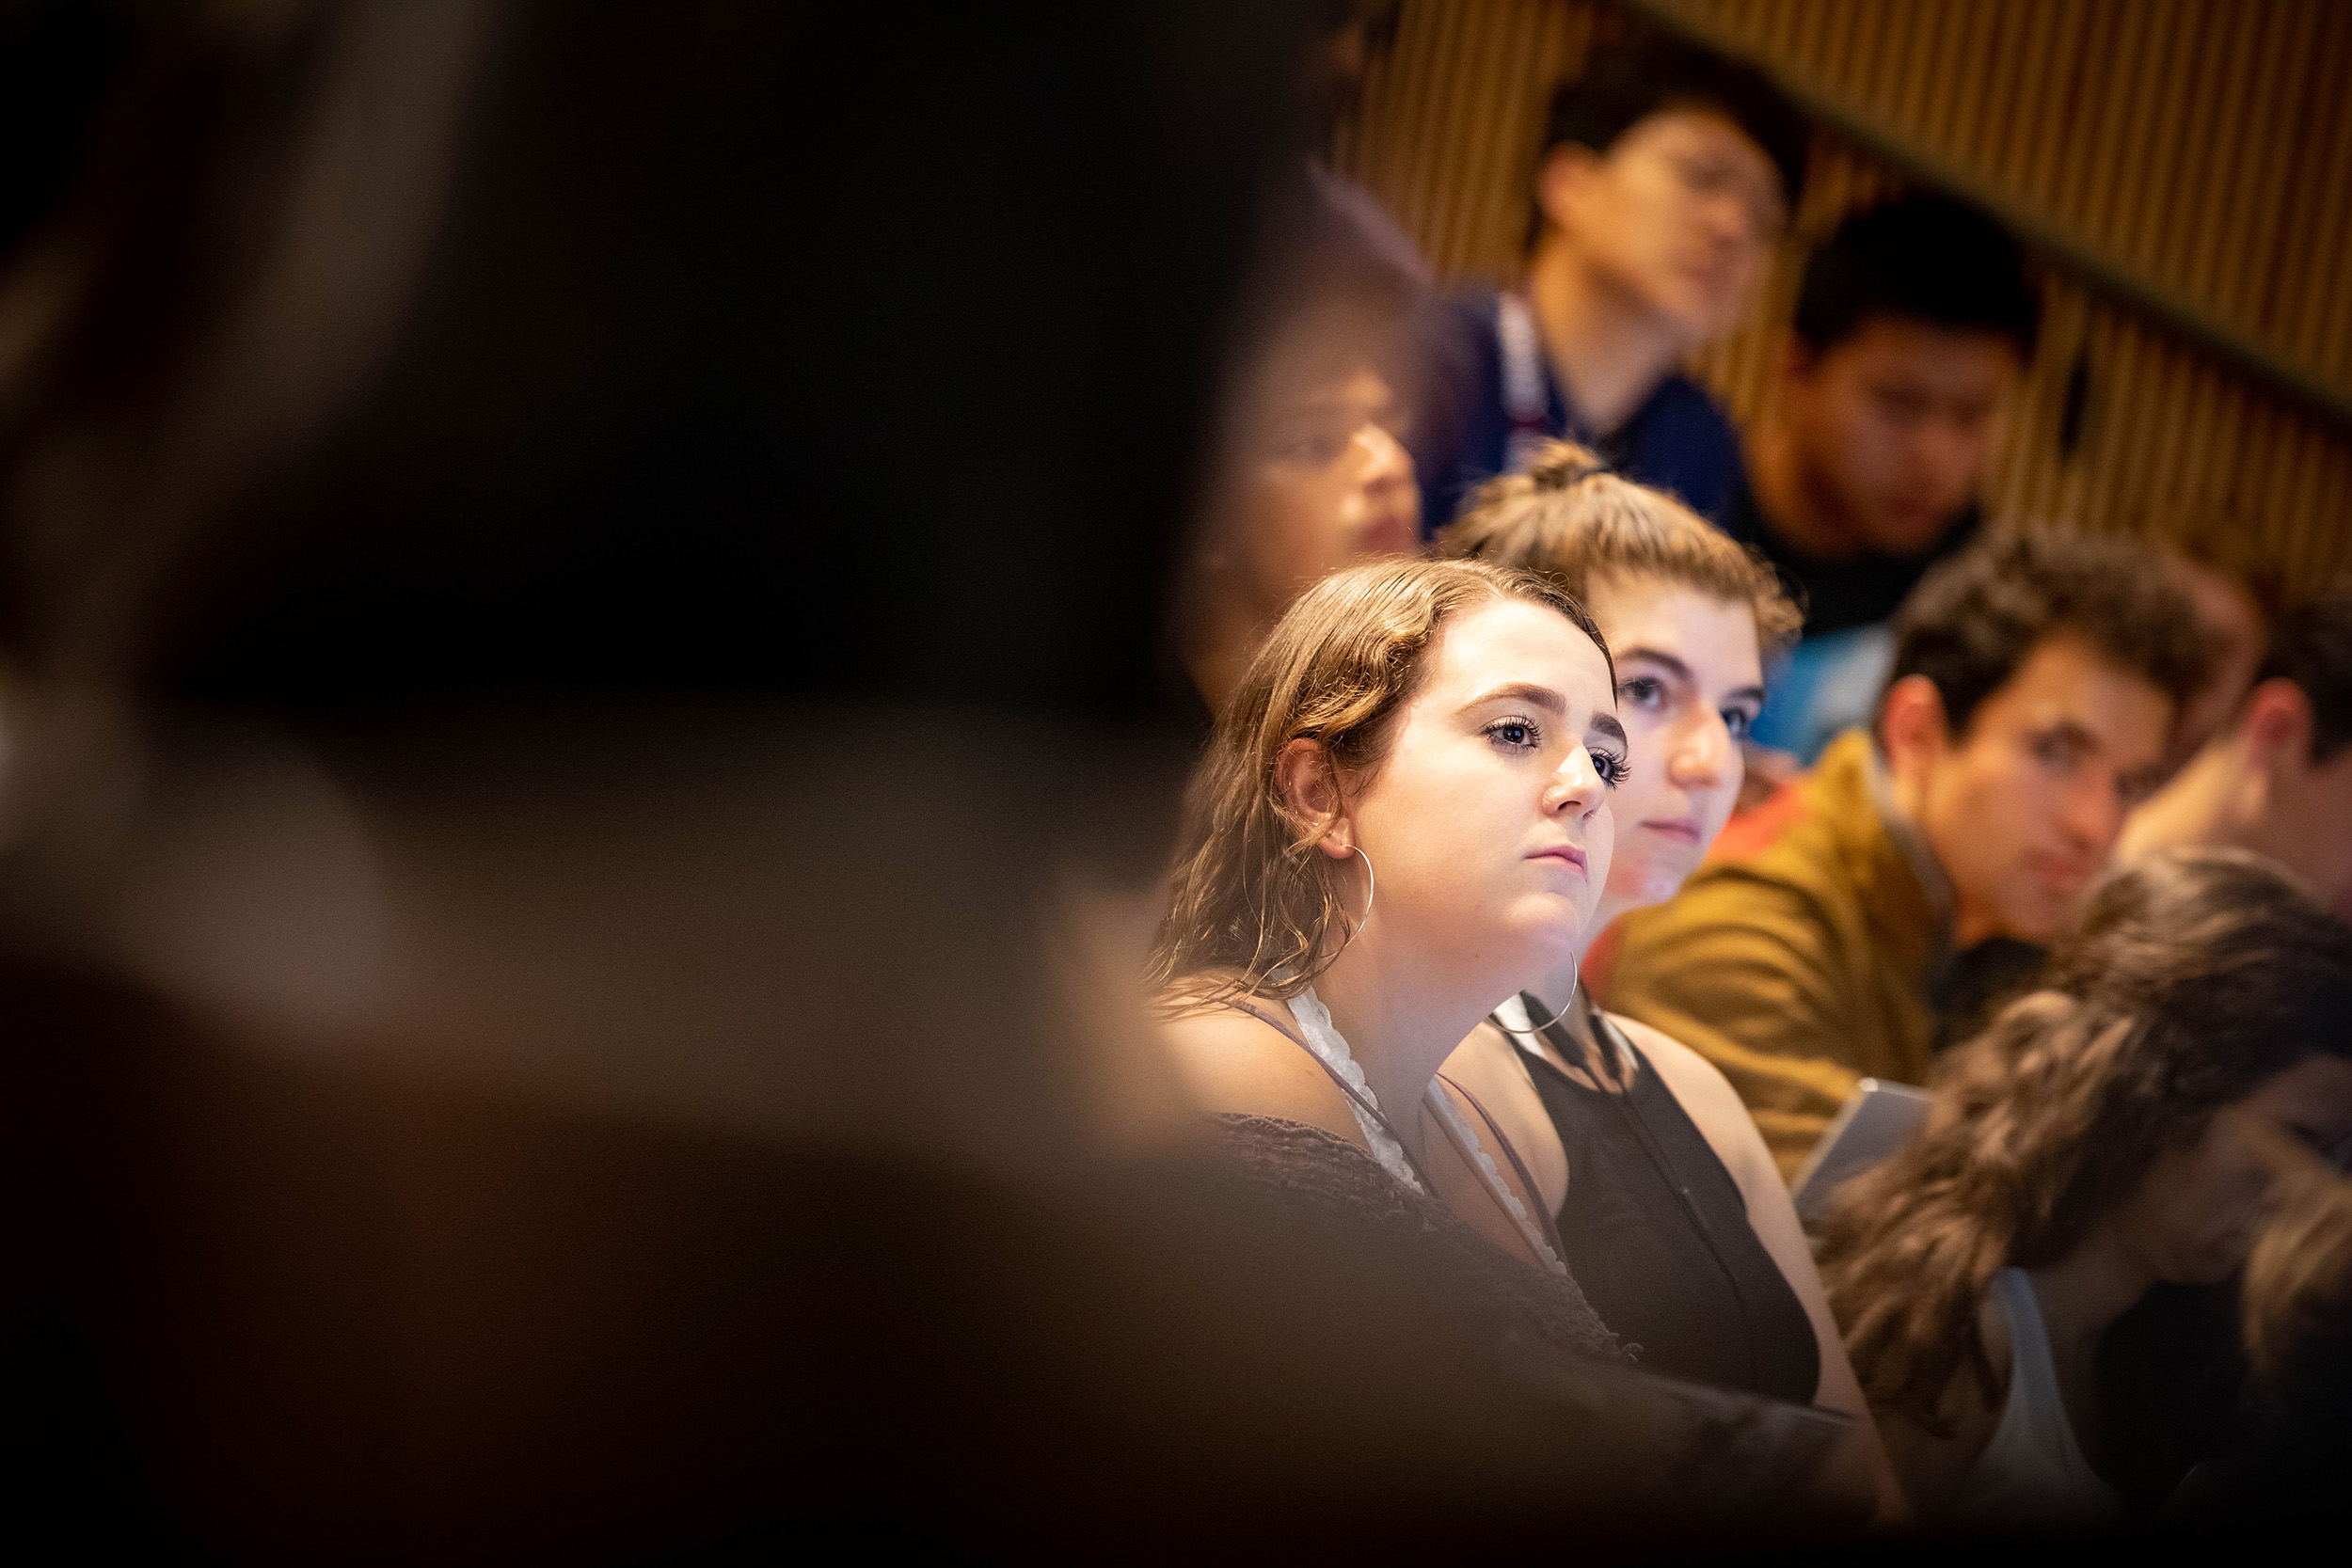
1236	1063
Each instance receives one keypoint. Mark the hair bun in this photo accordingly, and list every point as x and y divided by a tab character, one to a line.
1561	464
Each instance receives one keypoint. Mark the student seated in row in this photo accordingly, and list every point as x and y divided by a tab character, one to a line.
1666	176
2036	680
1914	323
1670	1210
2278	779
2106	1133
1310	473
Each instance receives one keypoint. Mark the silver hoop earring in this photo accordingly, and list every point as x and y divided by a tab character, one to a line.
1556	1018
1372	886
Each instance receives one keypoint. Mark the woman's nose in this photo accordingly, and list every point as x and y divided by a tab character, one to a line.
1576	785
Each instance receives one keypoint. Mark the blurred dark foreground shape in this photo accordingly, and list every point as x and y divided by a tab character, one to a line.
580	584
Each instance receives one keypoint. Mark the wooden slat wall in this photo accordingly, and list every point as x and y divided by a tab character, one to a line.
2203	145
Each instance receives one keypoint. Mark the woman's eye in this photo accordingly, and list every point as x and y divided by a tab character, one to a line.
1610	765
1315	446
1736	721
1518	734
1644	691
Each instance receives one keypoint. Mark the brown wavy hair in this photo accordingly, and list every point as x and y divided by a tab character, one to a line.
1252	902
1569	518
2196	976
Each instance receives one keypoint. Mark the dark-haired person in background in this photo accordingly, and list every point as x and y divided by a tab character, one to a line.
1310	473
1915	321
2106	1135
2036	680
2277	780
1667	176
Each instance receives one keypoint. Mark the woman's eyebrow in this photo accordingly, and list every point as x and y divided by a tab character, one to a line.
1608	726
1522	692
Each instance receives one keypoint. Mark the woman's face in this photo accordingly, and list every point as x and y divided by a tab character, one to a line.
1322	481
2194	1215
1690	681
1488	823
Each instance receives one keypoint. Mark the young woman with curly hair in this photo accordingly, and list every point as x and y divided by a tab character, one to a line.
2101	1136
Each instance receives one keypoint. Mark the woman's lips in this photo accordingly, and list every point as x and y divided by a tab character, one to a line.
1567	854
1682	829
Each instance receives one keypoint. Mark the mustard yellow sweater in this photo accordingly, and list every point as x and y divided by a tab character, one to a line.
1797	958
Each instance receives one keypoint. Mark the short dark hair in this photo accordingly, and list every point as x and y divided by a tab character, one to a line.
2312	647
1975	619
1922	258
1625	84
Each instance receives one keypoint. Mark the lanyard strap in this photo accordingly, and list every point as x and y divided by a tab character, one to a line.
1526	401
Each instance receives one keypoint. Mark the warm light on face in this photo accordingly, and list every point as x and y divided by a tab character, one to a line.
1681	213
1326	482
2023	809
1896	425
1690	681
1489	822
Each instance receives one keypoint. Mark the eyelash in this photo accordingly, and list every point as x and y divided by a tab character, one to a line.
1534	734
1609	764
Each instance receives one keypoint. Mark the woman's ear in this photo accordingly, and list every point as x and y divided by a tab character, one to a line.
1311	795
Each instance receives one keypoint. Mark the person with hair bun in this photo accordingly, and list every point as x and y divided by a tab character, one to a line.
1403	815
2105	1133
1673	1213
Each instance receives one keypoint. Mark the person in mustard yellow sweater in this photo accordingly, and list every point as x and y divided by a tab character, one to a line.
2036	678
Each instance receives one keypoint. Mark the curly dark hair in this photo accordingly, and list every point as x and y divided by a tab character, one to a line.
2196	976
1975	619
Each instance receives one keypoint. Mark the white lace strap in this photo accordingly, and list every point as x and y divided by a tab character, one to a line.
1322	1038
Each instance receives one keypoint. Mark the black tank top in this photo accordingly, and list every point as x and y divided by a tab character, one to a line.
1657	1234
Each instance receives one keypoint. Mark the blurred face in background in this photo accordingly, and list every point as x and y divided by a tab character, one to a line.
1679	216
1689	682
1894	428
1319	477
2023	808
2196	1212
